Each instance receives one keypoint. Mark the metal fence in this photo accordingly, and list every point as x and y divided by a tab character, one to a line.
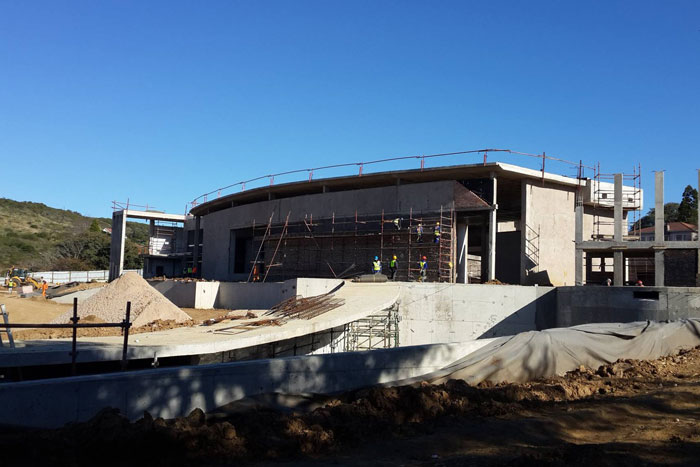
56	277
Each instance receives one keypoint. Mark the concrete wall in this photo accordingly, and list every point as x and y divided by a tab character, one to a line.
181	293
240	295
438	313
421	197
580	305
206	295
550	209
172	392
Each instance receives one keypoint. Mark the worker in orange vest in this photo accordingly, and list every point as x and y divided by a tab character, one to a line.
44	286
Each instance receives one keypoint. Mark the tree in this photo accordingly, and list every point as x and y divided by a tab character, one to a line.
670	215
95	227
688	209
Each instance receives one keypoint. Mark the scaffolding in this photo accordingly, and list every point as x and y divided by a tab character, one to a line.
604	196
378	331
340	247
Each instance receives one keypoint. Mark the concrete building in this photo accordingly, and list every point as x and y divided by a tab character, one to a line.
661	259
497	222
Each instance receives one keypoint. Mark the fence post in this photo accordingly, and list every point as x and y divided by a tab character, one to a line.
74	319
126	325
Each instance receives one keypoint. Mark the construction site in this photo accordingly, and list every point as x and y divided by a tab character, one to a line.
483	313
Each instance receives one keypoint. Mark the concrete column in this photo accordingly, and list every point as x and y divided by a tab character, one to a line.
462	271
618	269
618	208
493	230
195	249
589	267
523	231
116	251
484	248
578	237
659	272
659	207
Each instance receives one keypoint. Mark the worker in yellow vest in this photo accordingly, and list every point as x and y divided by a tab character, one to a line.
393	265
376	265
423	264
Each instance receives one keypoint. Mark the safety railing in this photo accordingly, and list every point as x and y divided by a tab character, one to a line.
74	325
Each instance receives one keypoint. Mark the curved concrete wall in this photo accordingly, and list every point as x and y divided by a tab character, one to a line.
173	392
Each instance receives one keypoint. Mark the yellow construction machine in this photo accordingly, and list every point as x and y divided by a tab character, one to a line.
16	277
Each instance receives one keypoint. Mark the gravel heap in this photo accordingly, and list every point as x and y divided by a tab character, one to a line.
109	304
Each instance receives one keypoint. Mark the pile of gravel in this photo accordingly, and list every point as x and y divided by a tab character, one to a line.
109	304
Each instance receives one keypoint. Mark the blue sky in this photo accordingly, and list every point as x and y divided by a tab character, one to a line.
159	102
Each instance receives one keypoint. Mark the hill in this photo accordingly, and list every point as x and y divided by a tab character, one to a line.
36	236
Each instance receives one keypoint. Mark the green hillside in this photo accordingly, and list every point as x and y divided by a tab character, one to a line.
36	236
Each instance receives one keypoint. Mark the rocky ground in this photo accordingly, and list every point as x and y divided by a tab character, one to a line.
628	413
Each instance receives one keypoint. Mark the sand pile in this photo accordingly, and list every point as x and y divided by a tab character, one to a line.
109	304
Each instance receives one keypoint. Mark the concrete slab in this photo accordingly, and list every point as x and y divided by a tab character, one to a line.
361	300
80	295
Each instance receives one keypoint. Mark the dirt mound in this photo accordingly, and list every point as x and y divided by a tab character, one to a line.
147	304
510	424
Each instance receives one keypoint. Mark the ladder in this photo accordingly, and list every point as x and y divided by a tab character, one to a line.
445	259
6	329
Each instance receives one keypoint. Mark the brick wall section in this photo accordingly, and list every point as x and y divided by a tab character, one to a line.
681	268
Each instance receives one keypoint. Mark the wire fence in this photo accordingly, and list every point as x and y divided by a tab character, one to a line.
577	169
60	277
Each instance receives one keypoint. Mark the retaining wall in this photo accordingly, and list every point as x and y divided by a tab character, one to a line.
438	312
173	392
240	295
580	305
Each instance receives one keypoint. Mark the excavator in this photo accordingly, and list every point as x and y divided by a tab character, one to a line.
16	277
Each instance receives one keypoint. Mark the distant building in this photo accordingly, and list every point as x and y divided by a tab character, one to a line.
673	232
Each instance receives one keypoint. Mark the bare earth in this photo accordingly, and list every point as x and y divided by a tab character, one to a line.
32	310
630	413
39	310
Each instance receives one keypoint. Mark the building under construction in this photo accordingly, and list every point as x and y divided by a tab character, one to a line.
474	223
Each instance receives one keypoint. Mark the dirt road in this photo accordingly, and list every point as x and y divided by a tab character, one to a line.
630	413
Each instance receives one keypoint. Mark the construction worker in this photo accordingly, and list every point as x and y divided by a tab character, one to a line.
44	286
376	265
423	264
397	223
419	231
436	232
393	265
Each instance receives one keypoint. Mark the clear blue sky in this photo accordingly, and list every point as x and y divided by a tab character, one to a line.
161	101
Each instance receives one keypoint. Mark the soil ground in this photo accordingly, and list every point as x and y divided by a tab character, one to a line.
40	310
629	413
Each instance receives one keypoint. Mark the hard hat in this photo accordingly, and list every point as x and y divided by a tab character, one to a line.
437	223
376	258
424	257
394	256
